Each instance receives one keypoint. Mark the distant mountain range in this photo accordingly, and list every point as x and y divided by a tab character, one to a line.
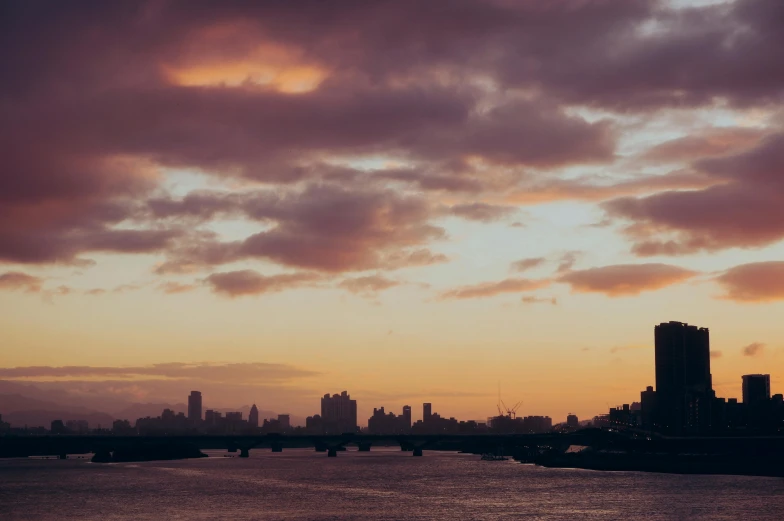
27	405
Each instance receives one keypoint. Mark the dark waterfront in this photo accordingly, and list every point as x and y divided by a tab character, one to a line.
384	484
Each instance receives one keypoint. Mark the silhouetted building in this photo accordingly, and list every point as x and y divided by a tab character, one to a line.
624	416
407	417
314	424
534	424
648	408
77	426
212	418
684	391
339	413
383	423
572	421
4	426
427	412
168	422
756	401
58	427
122	427
433	423
253	417
194	406
756	388
285	422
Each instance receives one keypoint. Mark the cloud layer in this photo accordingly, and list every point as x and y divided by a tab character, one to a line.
343	146
625	279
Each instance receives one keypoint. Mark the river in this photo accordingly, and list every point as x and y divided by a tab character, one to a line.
385	484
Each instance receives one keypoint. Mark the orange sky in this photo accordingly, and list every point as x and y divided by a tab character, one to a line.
406	202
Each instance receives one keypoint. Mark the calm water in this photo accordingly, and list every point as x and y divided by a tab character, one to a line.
383	484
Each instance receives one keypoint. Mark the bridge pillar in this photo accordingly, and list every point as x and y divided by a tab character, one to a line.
417	451
363	447
244	453
332	452
63	456
277	447
102	456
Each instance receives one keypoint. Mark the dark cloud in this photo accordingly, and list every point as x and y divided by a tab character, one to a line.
592	189
490	289
568	260
98	100
323	227
16	280
710	142
754	282
714	218
527	264
248	282
482	211
625	279
753	349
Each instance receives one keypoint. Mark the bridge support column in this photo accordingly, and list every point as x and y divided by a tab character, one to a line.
332	452
244	453
363	447
417	451
102	456
277	447
63	456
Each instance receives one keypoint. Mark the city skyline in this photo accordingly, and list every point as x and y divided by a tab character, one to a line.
193	402
681	402
410	202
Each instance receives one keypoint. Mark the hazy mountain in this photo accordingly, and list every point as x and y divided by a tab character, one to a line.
62	396
27	404
134	411
20	410
44	418
16	402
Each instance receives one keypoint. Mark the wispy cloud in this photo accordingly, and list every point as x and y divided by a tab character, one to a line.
205	371
16	280
527	264
489	289
753	349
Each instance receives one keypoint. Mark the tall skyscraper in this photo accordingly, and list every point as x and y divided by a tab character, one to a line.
194	406
684	390
253	417
756	388
427	412
407	417
339	413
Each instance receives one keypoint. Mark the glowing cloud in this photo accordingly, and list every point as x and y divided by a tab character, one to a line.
625	279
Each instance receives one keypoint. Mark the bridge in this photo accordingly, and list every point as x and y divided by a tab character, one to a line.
60	445
523	446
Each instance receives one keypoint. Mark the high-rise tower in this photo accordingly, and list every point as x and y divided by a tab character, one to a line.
684	390
194	406
253	417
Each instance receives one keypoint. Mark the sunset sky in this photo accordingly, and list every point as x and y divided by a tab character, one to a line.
410	200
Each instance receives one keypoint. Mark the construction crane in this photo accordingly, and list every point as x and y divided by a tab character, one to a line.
510	412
